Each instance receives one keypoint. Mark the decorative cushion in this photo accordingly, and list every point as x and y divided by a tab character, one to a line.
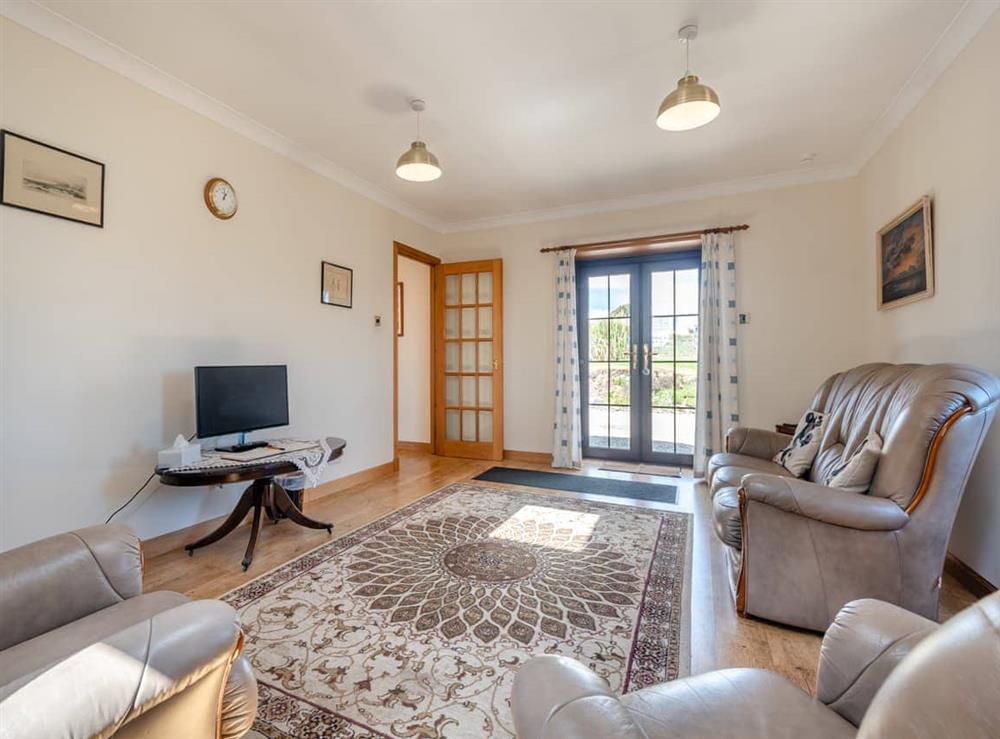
856	472
798	456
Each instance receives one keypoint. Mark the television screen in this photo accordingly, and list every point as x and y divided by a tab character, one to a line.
231	400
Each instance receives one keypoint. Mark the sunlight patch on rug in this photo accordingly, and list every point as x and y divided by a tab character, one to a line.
414	625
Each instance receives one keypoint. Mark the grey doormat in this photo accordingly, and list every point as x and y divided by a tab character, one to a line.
657	492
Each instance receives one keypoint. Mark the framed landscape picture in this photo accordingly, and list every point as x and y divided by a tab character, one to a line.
337	285
906	257
44	179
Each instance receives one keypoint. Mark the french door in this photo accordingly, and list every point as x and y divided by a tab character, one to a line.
468	359
638	321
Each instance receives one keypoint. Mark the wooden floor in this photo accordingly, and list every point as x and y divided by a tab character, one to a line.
719	638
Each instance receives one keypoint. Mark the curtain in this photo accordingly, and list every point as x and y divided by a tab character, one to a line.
567	449
718	403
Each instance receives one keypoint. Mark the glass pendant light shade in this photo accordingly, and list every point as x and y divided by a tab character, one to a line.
691	105
417	164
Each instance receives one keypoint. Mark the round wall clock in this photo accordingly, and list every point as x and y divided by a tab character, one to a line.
220	197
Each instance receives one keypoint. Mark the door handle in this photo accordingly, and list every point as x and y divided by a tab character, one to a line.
645	359
635	357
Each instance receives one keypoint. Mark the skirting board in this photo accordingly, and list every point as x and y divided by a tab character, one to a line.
423	447
971	580
168	542
513	455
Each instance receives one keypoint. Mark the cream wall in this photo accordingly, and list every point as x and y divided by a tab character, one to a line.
415	352
949	147
101	327
797	279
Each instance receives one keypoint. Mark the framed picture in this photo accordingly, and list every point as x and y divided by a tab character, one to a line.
44	179
400	312
337	285
906	257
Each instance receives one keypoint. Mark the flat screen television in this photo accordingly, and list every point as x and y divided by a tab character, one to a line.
232	400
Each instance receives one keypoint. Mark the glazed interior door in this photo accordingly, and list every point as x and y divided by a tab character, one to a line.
639	357
468	359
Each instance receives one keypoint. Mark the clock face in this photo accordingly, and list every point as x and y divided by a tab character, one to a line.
220	198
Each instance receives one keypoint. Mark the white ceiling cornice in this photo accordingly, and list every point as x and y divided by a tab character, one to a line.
45	22
678	195
65	32
963	28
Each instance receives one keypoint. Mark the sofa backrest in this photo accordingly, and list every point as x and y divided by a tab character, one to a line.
49	583
907	405
947	686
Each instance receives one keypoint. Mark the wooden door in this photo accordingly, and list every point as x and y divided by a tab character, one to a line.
468	359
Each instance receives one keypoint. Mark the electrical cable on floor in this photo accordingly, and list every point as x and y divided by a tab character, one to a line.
149	479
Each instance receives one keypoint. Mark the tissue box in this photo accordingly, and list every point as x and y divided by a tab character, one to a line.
176	456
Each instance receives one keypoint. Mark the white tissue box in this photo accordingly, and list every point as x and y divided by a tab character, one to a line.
176	456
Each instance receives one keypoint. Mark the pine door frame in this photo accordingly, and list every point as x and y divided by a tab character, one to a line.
400	249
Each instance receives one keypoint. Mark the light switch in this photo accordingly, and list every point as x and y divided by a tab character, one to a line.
378	320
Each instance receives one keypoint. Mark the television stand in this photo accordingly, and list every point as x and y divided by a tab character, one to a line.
245	447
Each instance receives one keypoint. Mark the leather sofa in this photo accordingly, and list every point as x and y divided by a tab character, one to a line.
86	654
798	550
883	673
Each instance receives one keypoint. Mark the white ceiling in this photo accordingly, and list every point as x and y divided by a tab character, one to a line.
536	106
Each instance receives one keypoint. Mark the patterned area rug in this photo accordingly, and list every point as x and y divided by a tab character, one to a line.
415	625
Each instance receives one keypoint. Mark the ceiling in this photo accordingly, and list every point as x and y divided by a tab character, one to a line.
543	105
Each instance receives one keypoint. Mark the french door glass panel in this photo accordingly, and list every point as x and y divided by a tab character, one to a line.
639	351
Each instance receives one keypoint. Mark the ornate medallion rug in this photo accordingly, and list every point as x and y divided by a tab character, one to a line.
415	625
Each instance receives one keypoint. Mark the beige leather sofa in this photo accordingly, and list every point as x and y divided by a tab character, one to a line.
86	654
884	673
798	550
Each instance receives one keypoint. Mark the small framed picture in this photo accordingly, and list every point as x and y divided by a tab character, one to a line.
906	257
52	181
337	285
400	309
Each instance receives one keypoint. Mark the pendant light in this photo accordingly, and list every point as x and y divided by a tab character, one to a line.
417	164
692	104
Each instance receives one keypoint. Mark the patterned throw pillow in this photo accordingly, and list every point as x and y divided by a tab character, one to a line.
798	456
856	473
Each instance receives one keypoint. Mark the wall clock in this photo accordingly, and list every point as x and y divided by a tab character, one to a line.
220	197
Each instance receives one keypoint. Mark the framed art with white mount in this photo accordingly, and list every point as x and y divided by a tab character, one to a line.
336	285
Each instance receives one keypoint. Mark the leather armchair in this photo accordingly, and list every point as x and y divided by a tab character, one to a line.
83	653
798	550
883	672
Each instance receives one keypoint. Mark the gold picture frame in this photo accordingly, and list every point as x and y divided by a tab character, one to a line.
904	257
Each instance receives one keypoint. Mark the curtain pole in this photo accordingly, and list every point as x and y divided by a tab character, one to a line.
647	240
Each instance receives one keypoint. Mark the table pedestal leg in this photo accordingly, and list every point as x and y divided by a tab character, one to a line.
243	506
285	505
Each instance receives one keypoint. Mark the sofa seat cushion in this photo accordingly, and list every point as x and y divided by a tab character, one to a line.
22	661
726	516
728	469
743	703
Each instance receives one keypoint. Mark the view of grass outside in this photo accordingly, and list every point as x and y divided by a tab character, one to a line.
673	368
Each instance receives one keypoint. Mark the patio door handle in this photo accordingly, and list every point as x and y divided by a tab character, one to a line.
635	357
645	359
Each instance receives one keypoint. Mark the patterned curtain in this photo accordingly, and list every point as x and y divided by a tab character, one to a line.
567	449
718	404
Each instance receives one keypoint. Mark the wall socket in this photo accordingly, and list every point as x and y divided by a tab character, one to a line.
744	319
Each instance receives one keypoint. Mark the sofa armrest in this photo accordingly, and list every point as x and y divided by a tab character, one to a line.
97	690
559	697
865	642
758	443
52	582
823	503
